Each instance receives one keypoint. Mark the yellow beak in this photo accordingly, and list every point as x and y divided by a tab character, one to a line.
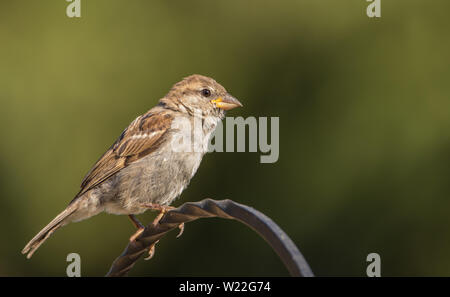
226	103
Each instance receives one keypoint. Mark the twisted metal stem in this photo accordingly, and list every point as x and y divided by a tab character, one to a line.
208	208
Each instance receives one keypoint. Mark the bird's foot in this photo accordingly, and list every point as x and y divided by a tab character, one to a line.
181	227
151	251
162	210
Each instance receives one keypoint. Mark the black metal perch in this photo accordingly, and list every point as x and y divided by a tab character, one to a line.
207	208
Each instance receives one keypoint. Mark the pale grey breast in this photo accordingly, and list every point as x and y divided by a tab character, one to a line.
159	177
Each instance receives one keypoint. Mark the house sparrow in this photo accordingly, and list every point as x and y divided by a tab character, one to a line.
144	169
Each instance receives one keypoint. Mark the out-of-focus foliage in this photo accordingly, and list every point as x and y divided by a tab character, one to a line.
364	107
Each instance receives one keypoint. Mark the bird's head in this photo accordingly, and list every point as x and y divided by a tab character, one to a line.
198	93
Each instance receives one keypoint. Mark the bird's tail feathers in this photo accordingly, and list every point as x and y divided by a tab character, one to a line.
59	221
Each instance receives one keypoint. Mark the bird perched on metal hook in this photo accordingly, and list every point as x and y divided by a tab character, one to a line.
151	163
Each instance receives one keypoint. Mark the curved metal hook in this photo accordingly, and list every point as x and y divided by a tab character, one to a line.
207	208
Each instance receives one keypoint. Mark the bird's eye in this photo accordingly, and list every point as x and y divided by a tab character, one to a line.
206	92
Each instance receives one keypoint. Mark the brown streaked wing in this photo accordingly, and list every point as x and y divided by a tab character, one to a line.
143	136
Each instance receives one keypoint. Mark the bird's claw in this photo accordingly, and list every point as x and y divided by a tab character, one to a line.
163	210
151	251
181	227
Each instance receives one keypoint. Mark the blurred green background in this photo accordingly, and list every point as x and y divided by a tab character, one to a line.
364	108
